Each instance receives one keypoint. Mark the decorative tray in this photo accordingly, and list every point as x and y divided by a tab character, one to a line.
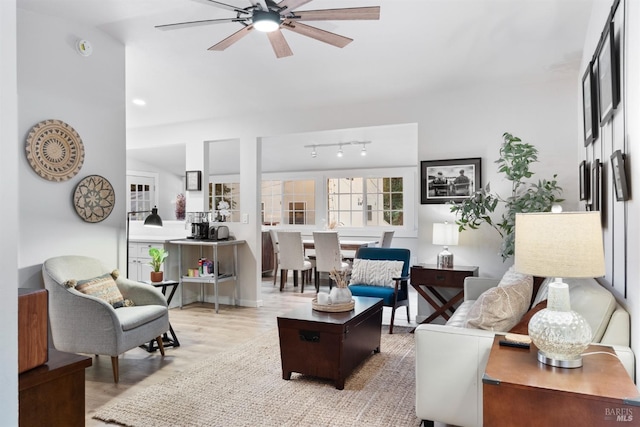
333	308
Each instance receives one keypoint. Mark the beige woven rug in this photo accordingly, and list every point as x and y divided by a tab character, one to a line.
244	387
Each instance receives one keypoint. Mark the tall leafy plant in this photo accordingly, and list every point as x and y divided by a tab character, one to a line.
480	208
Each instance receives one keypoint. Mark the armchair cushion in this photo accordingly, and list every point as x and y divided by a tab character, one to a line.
375	272
502	307
103	287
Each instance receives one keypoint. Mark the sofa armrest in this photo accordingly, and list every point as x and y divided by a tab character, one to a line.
627	358
475	286
450	363
140	293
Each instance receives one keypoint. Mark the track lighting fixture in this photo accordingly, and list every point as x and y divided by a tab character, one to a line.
363	151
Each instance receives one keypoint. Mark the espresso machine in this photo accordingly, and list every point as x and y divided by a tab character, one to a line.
199	222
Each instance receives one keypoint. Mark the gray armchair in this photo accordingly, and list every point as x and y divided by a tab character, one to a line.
82	323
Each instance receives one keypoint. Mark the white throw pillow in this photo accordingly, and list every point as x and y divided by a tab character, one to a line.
375	272
501	308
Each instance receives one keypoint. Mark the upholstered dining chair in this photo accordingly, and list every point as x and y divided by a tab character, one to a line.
292	257
372	278
387	237
328	255
93	310
276	254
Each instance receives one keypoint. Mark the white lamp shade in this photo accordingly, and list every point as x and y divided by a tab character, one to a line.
445	234
567	244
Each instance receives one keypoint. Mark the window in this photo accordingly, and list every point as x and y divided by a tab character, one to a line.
228	192
296	196
359	202
142	195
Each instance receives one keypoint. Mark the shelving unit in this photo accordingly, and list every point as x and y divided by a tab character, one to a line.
217	277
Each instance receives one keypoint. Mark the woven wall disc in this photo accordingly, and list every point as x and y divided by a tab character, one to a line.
55	150
94	198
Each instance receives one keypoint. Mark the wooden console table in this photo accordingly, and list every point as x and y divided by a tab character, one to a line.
53	394
429	277
516	386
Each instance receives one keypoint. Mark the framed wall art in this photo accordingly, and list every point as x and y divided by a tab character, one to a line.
584	180
589	106
453	180
619	176
596	185
608	95
194	180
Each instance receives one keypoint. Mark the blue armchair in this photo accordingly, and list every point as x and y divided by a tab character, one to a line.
395	296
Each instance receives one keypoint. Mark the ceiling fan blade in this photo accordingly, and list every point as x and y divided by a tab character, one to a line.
279	44
198	23
222	45
223	6
354	13
316	33
287	6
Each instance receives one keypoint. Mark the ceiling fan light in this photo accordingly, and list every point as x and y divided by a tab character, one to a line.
340	152
266	21
363	152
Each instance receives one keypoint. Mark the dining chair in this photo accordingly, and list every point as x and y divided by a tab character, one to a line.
291	253
276	254
387	237
328	255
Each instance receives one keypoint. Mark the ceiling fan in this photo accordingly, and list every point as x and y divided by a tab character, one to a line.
269	17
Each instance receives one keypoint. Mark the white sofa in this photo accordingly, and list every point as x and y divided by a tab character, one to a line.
451	359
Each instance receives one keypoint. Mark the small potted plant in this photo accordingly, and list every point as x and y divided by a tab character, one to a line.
157	258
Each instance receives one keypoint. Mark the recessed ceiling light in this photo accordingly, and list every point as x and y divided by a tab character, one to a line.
139	101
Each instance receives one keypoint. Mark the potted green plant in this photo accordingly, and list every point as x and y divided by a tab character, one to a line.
515	159
157	258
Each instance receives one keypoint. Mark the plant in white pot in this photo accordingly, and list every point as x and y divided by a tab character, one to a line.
158	256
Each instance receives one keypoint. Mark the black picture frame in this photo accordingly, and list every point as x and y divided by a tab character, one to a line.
193	180
440	180
608	92
619	175
589	106
596	185
583	173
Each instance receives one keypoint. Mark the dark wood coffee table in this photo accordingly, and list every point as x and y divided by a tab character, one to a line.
329	345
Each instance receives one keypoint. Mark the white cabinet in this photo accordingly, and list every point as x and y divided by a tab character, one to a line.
139	268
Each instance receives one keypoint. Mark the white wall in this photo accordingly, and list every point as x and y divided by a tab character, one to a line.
9	214
88	93
169	186
621	226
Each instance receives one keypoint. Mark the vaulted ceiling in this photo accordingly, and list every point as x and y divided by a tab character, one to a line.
416	47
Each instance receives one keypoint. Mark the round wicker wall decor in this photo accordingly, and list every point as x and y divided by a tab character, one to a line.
55	150
94	198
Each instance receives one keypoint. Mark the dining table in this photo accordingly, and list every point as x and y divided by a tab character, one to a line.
345	245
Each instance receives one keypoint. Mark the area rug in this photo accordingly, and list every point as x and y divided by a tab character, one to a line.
244	387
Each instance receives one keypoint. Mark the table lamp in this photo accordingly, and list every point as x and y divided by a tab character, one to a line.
559	245
447	235
153	220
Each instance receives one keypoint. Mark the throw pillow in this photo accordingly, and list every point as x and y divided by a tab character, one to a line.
501	308
103	287
523	325
375	272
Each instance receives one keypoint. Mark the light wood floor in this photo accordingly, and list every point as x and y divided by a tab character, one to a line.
201	333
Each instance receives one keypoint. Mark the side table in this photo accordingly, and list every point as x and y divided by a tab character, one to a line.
166	340
515	386
429	277
53	394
